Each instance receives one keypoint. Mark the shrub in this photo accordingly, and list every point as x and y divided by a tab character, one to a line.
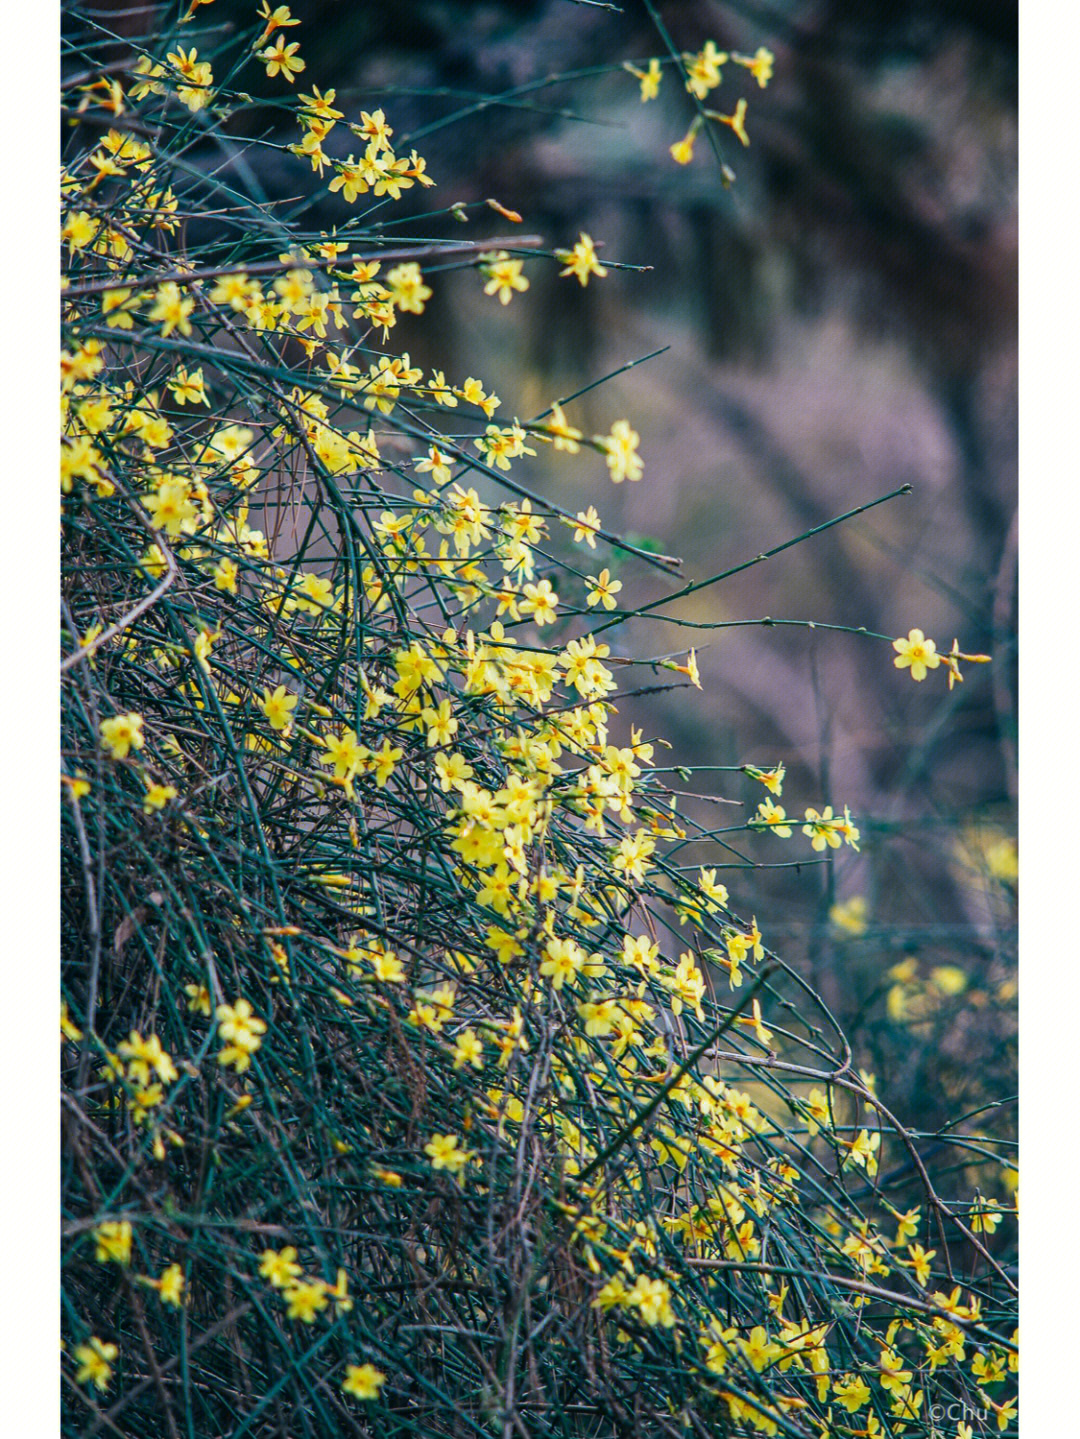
414	1081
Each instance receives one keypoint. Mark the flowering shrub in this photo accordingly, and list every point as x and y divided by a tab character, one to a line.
416	1081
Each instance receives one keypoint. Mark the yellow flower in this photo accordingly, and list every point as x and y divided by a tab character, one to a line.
772	779
238	1023
650	81
907	1224
444	1152
363	1381
952	658
564	959
774	816
603	590
113	1241
157	797
343	755
116	306
893	1375
440	724
920	1263
388	967
280	1266
950	979
760	64
407	289
198	998
850	915
453	771
504	276
122	734
759	1349
581	261
652	1300
1006	1413
985	1216
588	521
225	575
95	1362
852	1392
171	508
276	19
632	855
80	459
472	391
599	1016
67	1027
687	985
468	1050
734	122
305	1300
79	229
383	762
78	785
282	59
389	1177
188	388
170	1285
703	69
242	1031
541	602
823	829
916	653
689	669
753	1021
863	1150
620	447
817	1111
172	309
682	152
144	1055
278	708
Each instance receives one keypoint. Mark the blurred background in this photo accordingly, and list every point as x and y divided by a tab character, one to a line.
839	321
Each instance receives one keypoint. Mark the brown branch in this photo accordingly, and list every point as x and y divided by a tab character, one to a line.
277	267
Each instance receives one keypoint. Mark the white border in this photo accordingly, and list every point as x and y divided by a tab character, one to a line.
29	730
1050	705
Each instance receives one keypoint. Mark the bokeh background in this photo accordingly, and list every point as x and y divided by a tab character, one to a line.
839	322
